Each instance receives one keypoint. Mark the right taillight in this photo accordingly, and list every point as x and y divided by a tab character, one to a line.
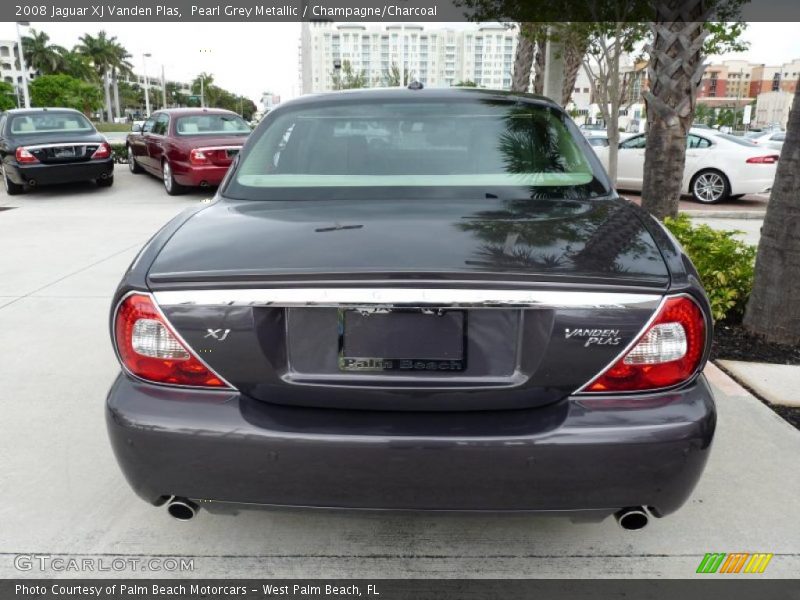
667	353
150	350
763	160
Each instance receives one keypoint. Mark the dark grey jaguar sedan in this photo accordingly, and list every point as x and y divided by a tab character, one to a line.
414	299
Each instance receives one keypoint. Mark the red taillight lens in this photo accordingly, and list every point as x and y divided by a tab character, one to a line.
149	348
198	157
763	160
23	155
667	353
103	151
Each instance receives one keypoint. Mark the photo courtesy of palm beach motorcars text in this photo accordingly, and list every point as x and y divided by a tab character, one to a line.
399	299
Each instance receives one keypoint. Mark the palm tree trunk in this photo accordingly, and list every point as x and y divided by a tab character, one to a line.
115	83
539	61
107	91
574	51
523	60
675	69
773	311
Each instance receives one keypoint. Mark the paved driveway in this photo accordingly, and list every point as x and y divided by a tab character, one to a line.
61	254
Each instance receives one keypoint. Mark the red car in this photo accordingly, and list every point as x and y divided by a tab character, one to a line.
187	147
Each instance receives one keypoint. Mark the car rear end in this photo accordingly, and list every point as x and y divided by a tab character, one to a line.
750	167
488	346
52	147
207	143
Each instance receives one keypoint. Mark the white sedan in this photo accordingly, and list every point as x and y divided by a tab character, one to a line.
718	166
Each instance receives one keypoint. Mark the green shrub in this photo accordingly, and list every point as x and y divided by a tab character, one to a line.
724	263
119	152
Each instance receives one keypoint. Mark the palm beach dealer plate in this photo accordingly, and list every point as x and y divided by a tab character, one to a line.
379	339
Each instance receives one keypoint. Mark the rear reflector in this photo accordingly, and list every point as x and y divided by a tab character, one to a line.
667	353
763	160
150	350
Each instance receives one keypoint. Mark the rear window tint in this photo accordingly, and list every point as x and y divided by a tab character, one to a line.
50	122
211	125
419	145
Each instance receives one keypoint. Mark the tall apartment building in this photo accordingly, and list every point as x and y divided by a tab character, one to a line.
738	79
435	57
9	66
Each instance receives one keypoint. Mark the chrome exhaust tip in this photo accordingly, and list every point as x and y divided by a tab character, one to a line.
182	509
32	182
632	518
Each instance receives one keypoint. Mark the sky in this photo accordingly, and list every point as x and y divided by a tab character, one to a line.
252	58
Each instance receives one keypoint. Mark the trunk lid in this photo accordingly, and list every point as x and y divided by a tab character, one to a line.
601	241
446	306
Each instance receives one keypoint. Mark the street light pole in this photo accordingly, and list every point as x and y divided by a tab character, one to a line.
146	85
163	88
22	66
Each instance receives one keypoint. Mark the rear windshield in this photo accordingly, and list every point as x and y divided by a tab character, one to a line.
211	125
419	148
50	122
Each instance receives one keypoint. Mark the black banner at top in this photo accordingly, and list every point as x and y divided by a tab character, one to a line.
357	11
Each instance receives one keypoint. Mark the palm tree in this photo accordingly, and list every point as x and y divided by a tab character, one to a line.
523	59
772	311
77	65
101	52
675	69
120	66
40	54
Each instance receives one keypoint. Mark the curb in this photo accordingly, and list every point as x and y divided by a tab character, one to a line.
725	214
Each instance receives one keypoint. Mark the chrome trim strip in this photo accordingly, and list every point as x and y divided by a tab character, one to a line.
206	148
59	144
408	297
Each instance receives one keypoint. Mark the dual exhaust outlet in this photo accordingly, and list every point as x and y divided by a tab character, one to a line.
631	519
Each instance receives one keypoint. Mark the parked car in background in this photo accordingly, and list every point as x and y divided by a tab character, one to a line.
45	146
719	166
769	139
457	314
187	147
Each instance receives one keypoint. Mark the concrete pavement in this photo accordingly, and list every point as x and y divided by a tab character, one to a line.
777	384
61	255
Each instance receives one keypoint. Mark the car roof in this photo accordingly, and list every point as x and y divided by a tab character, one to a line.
188	111
406	94
28	111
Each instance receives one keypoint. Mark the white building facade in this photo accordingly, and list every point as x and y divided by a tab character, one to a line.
435	57
9	70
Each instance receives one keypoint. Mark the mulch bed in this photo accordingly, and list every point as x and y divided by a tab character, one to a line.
733	342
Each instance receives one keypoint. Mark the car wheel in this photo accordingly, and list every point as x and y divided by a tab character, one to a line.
173	187
12	189
710	187
107	182
132	164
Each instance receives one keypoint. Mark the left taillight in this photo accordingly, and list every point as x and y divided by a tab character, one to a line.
150	349
198	157
666	354
103	151
23	155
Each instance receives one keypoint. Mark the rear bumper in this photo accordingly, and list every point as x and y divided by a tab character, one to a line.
570	456
44	174
195	176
